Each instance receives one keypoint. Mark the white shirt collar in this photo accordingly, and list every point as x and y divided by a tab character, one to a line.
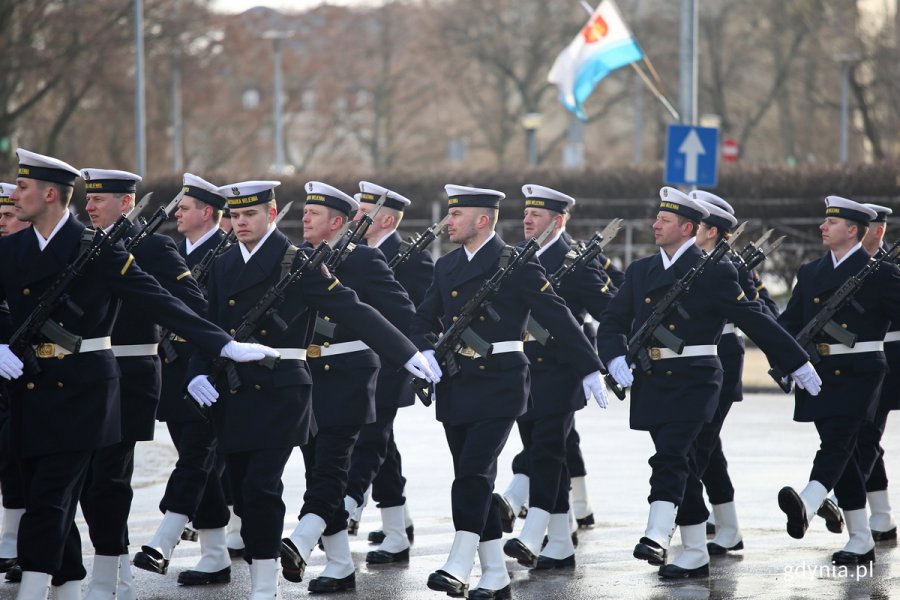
190	246
471	255
550	243
247	254
42	243
837	262
386	236
667	262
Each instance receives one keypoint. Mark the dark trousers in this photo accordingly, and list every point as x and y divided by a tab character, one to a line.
708	443
195	486
475	448
574	458
10	471
869	452
327	459
674	471
716	479
106	498
389	483
368	457
257	487
48	538
836	465
545	439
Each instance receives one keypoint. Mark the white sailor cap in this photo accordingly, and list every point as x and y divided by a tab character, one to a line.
882	212
712	199
202	190
326	195
538	196
6	190
249	193
45	168
462	196
371	193
835	206
109	181
718	217
674	201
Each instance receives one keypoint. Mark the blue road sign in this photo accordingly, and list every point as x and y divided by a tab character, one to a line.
691	155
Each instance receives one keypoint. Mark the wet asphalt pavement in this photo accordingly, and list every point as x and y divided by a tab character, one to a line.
765	448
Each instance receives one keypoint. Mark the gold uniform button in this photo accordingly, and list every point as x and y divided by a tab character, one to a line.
326	318
844	325
540	359
26	291
231	303
481	318
837	371
231	331
481	367
647	300
816	300
233	392
257	386
669	373
29	385
59	384
263	332
326	344
671	327
455	319
327	367
454	293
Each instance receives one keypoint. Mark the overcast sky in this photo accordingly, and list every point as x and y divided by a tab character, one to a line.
237	6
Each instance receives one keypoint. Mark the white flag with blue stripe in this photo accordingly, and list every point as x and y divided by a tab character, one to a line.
604	44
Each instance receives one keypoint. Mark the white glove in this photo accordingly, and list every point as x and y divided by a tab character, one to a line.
244	352
419	367
593	386
621	372
203	391
807	379
433	363
10	365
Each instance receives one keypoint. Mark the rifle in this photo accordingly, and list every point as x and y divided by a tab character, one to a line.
639	343
266	307
417	243
150	227
760	255
459	335
352	235
823	320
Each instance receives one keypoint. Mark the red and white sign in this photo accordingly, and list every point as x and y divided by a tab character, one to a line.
730	149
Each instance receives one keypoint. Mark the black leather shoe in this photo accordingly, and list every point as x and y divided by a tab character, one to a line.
377	536
790	502
585	522
383	557
235	552
202	578
514	548
716	550
545	563
189	535
883	536
852	558
710	528
292	564
352	528
442	581
14	575
574	540
151	559
8	563
504	593
647	549
834	520
675	572
330	585
507	514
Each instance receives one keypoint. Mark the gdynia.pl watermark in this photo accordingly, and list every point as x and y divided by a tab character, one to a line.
820	571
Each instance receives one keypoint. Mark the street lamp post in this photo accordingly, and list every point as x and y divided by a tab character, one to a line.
848	61
277	37
531	122
140	116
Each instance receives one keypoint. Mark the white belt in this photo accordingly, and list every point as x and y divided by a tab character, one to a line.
133	350
50	350
835	349
892	336
291	353
315	350
687	352
496	348
729	328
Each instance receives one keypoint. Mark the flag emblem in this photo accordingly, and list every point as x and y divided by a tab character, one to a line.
595	30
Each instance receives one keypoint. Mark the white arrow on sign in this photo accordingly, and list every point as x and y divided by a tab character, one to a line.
691	147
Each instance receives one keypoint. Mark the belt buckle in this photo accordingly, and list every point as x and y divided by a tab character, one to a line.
467	352
44	350
655	354
314	351
823	349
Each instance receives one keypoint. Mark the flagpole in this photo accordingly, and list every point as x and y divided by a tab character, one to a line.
657	91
